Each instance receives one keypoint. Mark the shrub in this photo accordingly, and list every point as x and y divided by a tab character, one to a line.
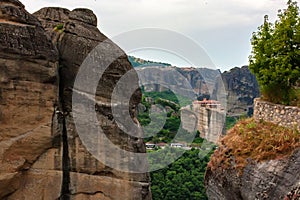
59	28
254	141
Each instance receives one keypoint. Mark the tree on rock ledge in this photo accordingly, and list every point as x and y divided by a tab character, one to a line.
275	57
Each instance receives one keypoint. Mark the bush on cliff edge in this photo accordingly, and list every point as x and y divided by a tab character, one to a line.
252	141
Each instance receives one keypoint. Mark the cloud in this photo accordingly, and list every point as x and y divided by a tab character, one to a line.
172	14
219	25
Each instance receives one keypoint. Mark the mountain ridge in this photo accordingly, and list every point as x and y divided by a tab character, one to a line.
240	85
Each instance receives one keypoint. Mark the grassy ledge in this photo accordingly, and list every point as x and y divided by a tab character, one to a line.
252	141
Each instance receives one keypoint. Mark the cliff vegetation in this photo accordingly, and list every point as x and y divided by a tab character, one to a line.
183	179
251	141
255	160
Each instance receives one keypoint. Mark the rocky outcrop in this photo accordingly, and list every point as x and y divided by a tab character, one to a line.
28	93
273	179
239	86
210	122
256	159
41	154
202	80
242	88
199	81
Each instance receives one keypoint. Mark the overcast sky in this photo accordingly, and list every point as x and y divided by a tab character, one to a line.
222	27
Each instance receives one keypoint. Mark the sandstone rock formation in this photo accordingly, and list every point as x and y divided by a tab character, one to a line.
273	179
259	158
239	86
202	80
28	92
242	88
211	121
41	154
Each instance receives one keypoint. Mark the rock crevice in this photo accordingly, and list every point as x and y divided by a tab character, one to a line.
40	56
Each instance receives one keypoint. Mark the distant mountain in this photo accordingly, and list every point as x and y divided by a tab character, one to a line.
242	88
239	83
138	62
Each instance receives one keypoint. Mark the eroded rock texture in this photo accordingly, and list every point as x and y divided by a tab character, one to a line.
28	92
274	179
41	154
239	86
242	88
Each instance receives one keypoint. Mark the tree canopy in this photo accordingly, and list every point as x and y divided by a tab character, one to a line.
183	179
275	58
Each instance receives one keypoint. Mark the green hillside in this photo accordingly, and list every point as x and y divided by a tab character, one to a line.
137	62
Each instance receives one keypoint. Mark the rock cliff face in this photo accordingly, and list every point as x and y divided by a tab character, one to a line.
202	80
257	159
273	179
28	92
210	122
240	85
242	88
41	154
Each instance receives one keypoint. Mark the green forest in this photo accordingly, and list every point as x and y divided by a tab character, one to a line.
138	62
183	179
168	100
